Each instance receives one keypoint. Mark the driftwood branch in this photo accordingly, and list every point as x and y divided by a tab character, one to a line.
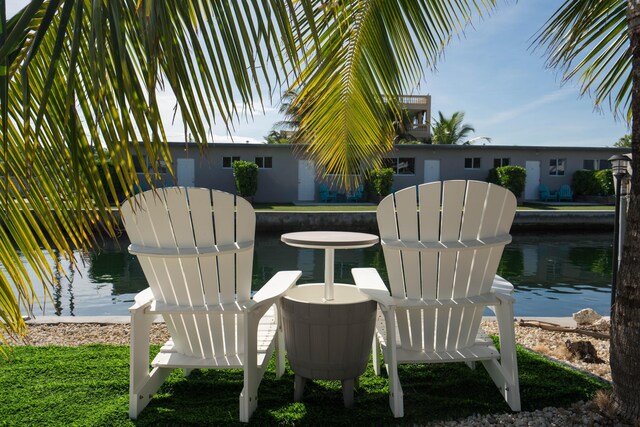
554	327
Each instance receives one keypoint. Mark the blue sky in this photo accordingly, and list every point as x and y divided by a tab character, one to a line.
506	91
504	87
492	75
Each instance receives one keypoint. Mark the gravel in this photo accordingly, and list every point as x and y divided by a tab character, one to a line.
548	343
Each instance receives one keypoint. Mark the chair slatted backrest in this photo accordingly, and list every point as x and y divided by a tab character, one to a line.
443	241
195	247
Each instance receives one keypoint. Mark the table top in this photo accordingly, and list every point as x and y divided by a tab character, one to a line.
329	239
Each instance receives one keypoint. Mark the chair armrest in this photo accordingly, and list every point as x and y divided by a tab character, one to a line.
370	283
280	283
501	286
142	300
502	289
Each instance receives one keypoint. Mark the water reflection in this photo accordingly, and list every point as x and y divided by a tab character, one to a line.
559	274
554	275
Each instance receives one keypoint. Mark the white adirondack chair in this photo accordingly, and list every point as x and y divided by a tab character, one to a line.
196	249
442	242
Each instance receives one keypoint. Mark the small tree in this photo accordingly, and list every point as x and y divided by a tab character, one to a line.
246	176
512	178
605	182
624	141
380	181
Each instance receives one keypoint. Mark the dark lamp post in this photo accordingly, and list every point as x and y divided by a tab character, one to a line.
619	165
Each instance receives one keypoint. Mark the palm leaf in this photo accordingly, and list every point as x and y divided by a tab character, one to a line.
371	51
588	39
77	91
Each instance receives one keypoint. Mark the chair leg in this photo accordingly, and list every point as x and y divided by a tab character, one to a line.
279	342
375	354
298	388
391	360
347	392
142	383
505	373
249	395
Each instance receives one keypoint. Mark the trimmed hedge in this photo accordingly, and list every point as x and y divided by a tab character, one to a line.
246	176
512	178
380	181
592	183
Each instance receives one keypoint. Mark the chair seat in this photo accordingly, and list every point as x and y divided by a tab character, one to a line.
169	357
483	349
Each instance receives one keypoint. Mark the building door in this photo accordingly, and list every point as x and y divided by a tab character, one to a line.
431	170
306	180
533	180
186	172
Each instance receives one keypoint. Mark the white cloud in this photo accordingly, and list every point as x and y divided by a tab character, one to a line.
532	105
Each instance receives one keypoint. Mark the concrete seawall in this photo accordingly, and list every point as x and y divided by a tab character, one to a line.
538	220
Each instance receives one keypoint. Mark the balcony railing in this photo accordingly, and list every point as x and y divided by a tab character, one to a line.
414	99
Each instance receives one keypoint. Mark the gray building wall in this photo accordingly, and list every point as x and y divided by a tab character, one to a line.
280	182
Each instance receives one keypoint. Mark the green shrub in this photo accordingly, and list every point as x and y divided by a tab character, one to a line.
493	177
380	181
512	178
584	183
592	183
605	181
246	176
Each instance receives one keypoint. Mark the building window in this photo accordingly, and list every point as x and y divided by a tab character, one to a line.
595	165
401	165
499	162
472	163
264	162
557	166
227	161
137	163
161	167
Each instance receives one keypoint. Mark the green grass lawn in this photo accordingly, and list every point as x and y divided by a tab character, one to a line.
88	386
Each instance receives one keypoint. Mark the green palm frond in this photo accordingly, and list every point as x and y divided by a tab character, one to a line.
78	91
452	130
588	39
78	82
371	52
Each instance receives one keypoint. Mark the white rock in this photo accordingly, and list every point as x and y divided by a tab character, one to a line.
602	325
586	316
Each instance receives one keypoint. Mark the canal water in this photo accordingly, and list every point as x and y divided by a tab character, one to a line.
553	274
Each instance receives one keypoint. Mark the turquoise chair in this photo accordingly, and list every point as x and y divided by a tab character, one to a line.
356	195
326	195
565	193
546	195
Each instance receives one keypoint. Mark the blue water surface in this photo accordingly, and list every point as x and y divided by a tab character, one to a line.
553	274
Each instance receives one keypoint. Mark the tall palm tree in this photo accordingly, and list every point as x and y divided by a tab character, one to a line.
598	41
81	76
452	131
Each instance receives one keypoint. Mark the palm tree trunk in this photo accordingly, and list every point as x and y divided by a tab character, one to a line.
625	315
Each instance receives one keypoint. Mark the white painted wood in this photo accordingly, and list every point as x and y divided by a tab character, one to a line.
306	180
442	244
329	241
196	249
186	172
431	171
532	180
